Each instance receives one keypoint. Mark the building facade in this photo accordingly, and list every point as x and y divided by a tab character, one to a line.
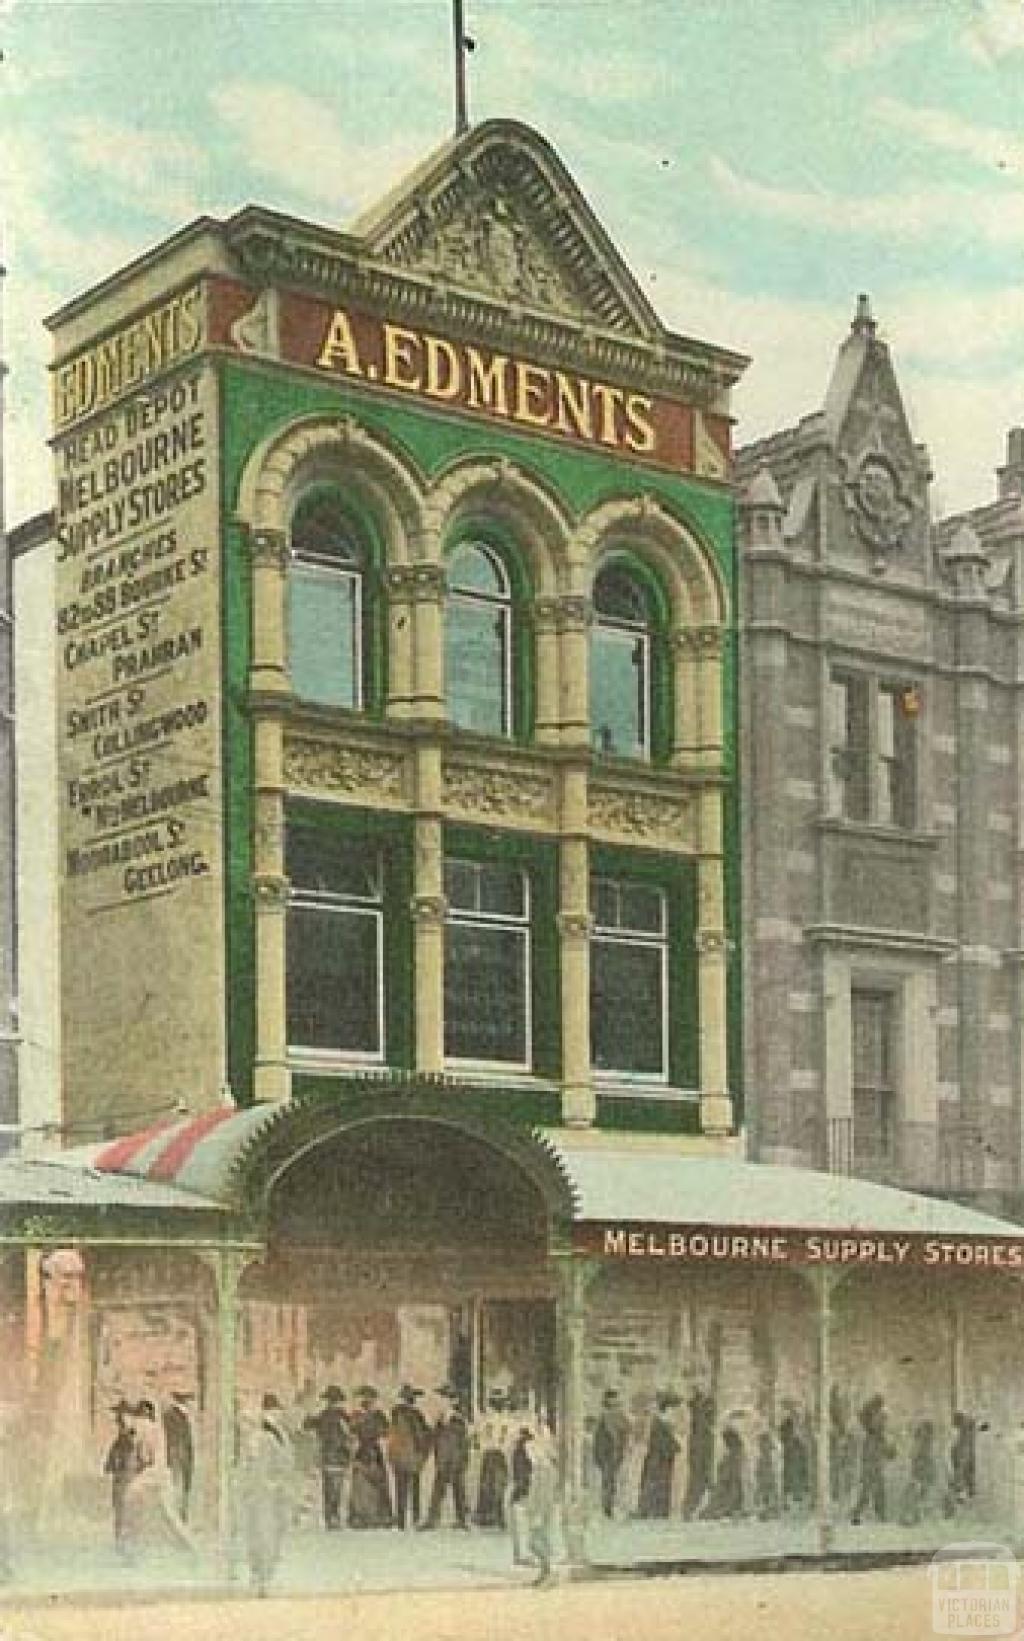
882	755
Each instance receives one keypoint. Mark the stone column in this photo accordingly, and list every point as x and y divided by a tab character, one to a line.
428	911
226	1265
712	954
574	668
709	697
824	1283
428	641
546	671
270	890
575	1275
579	1107
269	555
685	695
400	584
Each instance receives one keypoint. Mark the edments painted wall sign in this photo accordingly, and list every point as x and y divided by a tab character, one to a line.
471	376
147	346
750	1245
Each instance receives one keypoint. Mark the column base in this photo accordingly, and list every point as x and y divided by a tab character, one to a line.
716	1115
579	1105
269	680
271	1080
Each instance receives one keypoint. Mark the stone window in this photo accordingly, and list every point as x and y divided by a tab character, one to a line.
334	947
327	603
478	641
487	964
629	979
873	749
874	1021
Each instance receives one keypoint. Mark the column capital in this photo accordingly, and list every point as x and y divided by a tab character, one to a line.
711	942
270	891
575	925
573	612
269	549
429	910
419	583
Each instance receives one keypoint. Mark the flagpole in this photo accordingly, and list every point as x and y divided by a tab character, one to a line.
459	30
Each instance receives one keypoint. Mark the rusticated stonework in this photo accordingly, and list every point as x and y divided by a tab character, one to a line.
356	772
643	817
498	794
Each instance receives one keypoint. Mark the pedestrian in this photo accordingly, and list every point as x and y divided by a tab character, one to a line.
766	1487
796	1464
493	1483
962	1463
542	1505
659	1460
369	1502
267	1473
180	1444
874	1453
842	1450
451	1460
121	1464
522	1475
923	1473
334	1436
611	1440
700	1452
726	1500
151	1515
408	1447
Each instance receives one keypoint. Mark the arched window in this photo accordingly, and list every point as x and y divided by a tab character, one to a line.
622	658
327	602
478	640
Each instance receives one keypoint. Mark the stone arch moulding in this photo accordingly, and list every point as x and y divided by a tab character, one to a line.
500	489
686	567
296	1129
334	448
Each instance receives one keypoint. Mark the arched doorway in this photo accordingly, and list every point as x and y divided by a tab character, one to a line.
403	1249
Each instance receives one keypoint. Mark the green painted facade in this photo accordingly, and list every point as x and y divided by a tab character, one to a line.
261	399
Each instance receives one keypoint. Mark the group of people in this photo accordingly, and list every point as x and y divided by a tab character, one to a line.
733	1473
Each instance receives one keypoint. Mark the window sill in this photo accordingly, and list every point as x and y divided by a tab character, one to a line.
611	1087
333	1064
914	836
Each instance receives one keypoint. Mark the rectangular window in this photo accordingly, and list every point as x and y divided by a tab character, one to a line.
873	1022
619	670
324	640
334	946
487	964
873	749
629	979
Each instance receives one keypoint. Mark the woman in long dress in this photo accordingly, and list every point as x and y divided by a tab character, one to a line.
370	1499
266	1481
151	1519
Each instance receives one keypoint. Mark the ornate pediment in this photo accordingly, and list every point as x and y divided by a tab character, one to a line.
497	213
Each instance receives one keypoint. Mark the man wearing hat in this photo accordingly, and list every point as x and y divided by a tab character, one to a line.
408	1446
370	1499
659	1460
332	1431
121	1464
451	1460
611	1439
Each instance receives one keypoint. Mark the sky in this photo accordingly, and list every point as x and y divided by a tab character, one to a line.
757	162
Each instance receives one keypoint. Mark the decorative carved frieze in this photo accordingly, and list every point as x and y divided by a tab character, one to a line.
642	816
879	506
323	766
488	245
495	794
257	330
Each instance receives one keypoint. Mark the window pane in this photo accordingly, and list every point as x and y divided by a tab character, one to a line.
618	593
502	892
473	569
872	1019
320	528
475	670
604	903
485	994
323	863
618	692
333	980
897	773
643	909
850	749
323	636
627	1007
460	884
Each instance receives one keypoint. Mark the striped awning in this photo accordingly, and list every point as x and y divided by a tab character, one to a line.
193	1154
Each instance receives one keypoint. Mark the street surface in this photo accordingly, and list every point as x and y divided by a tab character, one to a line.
876	1606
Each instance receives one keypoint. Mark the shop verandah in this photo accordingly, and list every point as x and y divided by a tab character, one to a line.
547	1278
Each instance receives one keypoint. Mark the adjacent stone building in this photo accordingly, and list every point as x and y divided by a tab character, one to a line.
882	756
